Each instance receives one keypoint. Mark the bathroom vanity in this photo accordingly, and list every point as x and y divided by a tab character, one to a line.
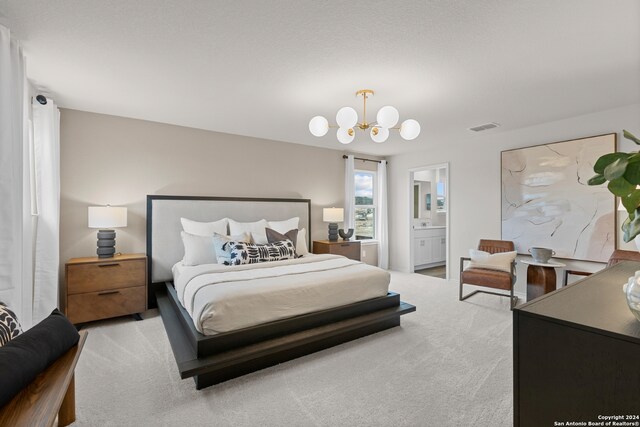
429	246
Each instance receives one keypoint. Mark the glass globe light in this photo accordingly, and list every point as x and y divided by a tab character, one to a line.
318	126
409	129
379	134
347	117
387	117
345	135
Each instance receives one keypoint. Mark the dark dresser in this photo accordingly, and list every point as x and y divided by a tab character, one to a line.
576	353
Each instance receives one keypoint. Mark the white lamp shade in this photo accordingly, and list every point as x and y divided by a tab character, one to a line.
107	217
344	137
347	117
387	117
410	129
383	134
333	214
318	126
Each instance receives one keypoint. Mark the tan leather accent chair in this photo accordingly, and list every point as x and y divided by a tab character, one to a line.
617	256
495	279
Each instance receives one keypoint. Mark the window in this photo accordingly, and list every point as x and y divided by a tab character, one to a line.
366	202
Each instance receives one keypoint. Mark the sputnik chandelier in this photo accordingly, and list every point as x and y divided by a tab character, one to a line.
347	120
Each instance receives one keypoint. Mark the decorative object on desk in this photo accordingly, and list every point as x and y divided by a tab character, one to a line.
622	170
347	123
541	255
105	218
345	236
545	201
333	216
632	291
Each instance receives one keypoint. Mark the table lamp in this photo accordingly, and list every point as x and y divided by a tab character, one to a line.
333	216
105	218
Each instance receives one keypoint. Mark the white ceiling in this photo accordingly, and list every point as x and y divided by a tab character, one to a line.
264	68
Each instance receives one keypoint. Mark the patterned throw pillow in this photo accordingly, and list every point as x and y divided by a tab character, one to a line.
251	253
9	326
222	248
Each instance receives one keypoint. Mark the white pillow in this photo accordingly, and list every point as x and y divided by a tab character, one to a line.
301	244
204	228
255	228
197	249
283	226
222	251
259	238
499	261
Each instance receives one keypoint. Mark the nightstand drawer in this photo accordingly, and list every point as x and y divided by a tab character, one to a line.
105	304
105	275
348	250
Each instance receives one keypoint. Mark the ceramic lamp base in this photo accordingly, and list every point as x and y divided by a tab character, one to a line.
106	243
333	232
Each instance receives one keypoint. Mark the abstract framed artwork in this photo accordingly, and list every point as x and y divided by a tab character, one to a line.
546	201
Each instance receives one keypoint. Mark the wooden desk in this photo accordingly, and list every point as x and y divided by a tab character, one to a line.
576	352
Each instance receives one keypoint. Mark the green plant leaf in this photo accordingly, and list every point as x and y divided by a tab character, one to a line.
606	159
632	174
616	169
634	157
597	180
631	202
631	227
620	187
630	136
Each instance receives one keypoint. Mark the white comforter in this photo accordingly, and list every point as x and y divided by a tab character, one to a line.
223	298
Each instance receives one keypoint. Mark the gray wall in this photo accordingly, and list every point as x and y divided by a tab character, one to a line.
118	161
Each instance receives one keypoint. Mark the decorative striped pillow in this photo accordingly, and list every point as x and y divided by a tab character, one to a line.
9	326
251	253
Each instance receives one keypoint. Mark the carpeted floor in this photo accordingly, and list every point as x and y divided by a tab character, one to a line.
449	364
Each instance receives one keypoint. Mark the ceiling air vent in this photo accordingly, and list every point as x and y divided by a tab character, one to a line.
485	126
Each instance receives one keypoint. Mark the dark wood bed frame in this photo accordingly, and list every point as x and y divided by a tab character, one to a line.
217	358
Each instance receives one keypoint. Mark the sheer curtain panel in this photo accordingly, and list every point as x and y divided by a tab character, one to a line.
16	266
349	193
46	192
382	220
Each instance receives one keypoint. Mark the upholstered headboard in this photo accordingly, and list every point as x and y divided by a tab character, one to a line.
164	245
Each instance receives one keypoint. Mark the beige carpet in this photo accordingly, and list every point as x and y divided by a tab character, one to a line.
449	364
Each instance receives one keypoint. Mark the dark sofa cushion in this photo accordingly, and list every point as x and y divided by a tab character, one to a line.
30	353
9	325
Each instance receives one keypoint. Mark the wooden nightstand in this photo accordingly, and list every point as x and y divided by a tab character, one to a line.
100	288
350	249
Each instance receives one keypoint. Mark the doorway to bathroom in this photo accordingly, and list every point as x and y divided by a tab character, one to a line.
429	220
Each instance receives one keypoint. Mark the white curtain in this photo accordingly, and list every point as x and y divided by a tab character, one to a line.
349	193
29	192
16	268
46	195
382	232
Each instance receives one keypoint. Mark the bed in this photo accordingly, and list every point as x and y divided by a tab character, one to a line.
288	314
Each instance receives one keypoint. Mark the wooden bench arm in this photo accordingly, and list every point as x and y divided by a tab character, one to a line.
50	394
